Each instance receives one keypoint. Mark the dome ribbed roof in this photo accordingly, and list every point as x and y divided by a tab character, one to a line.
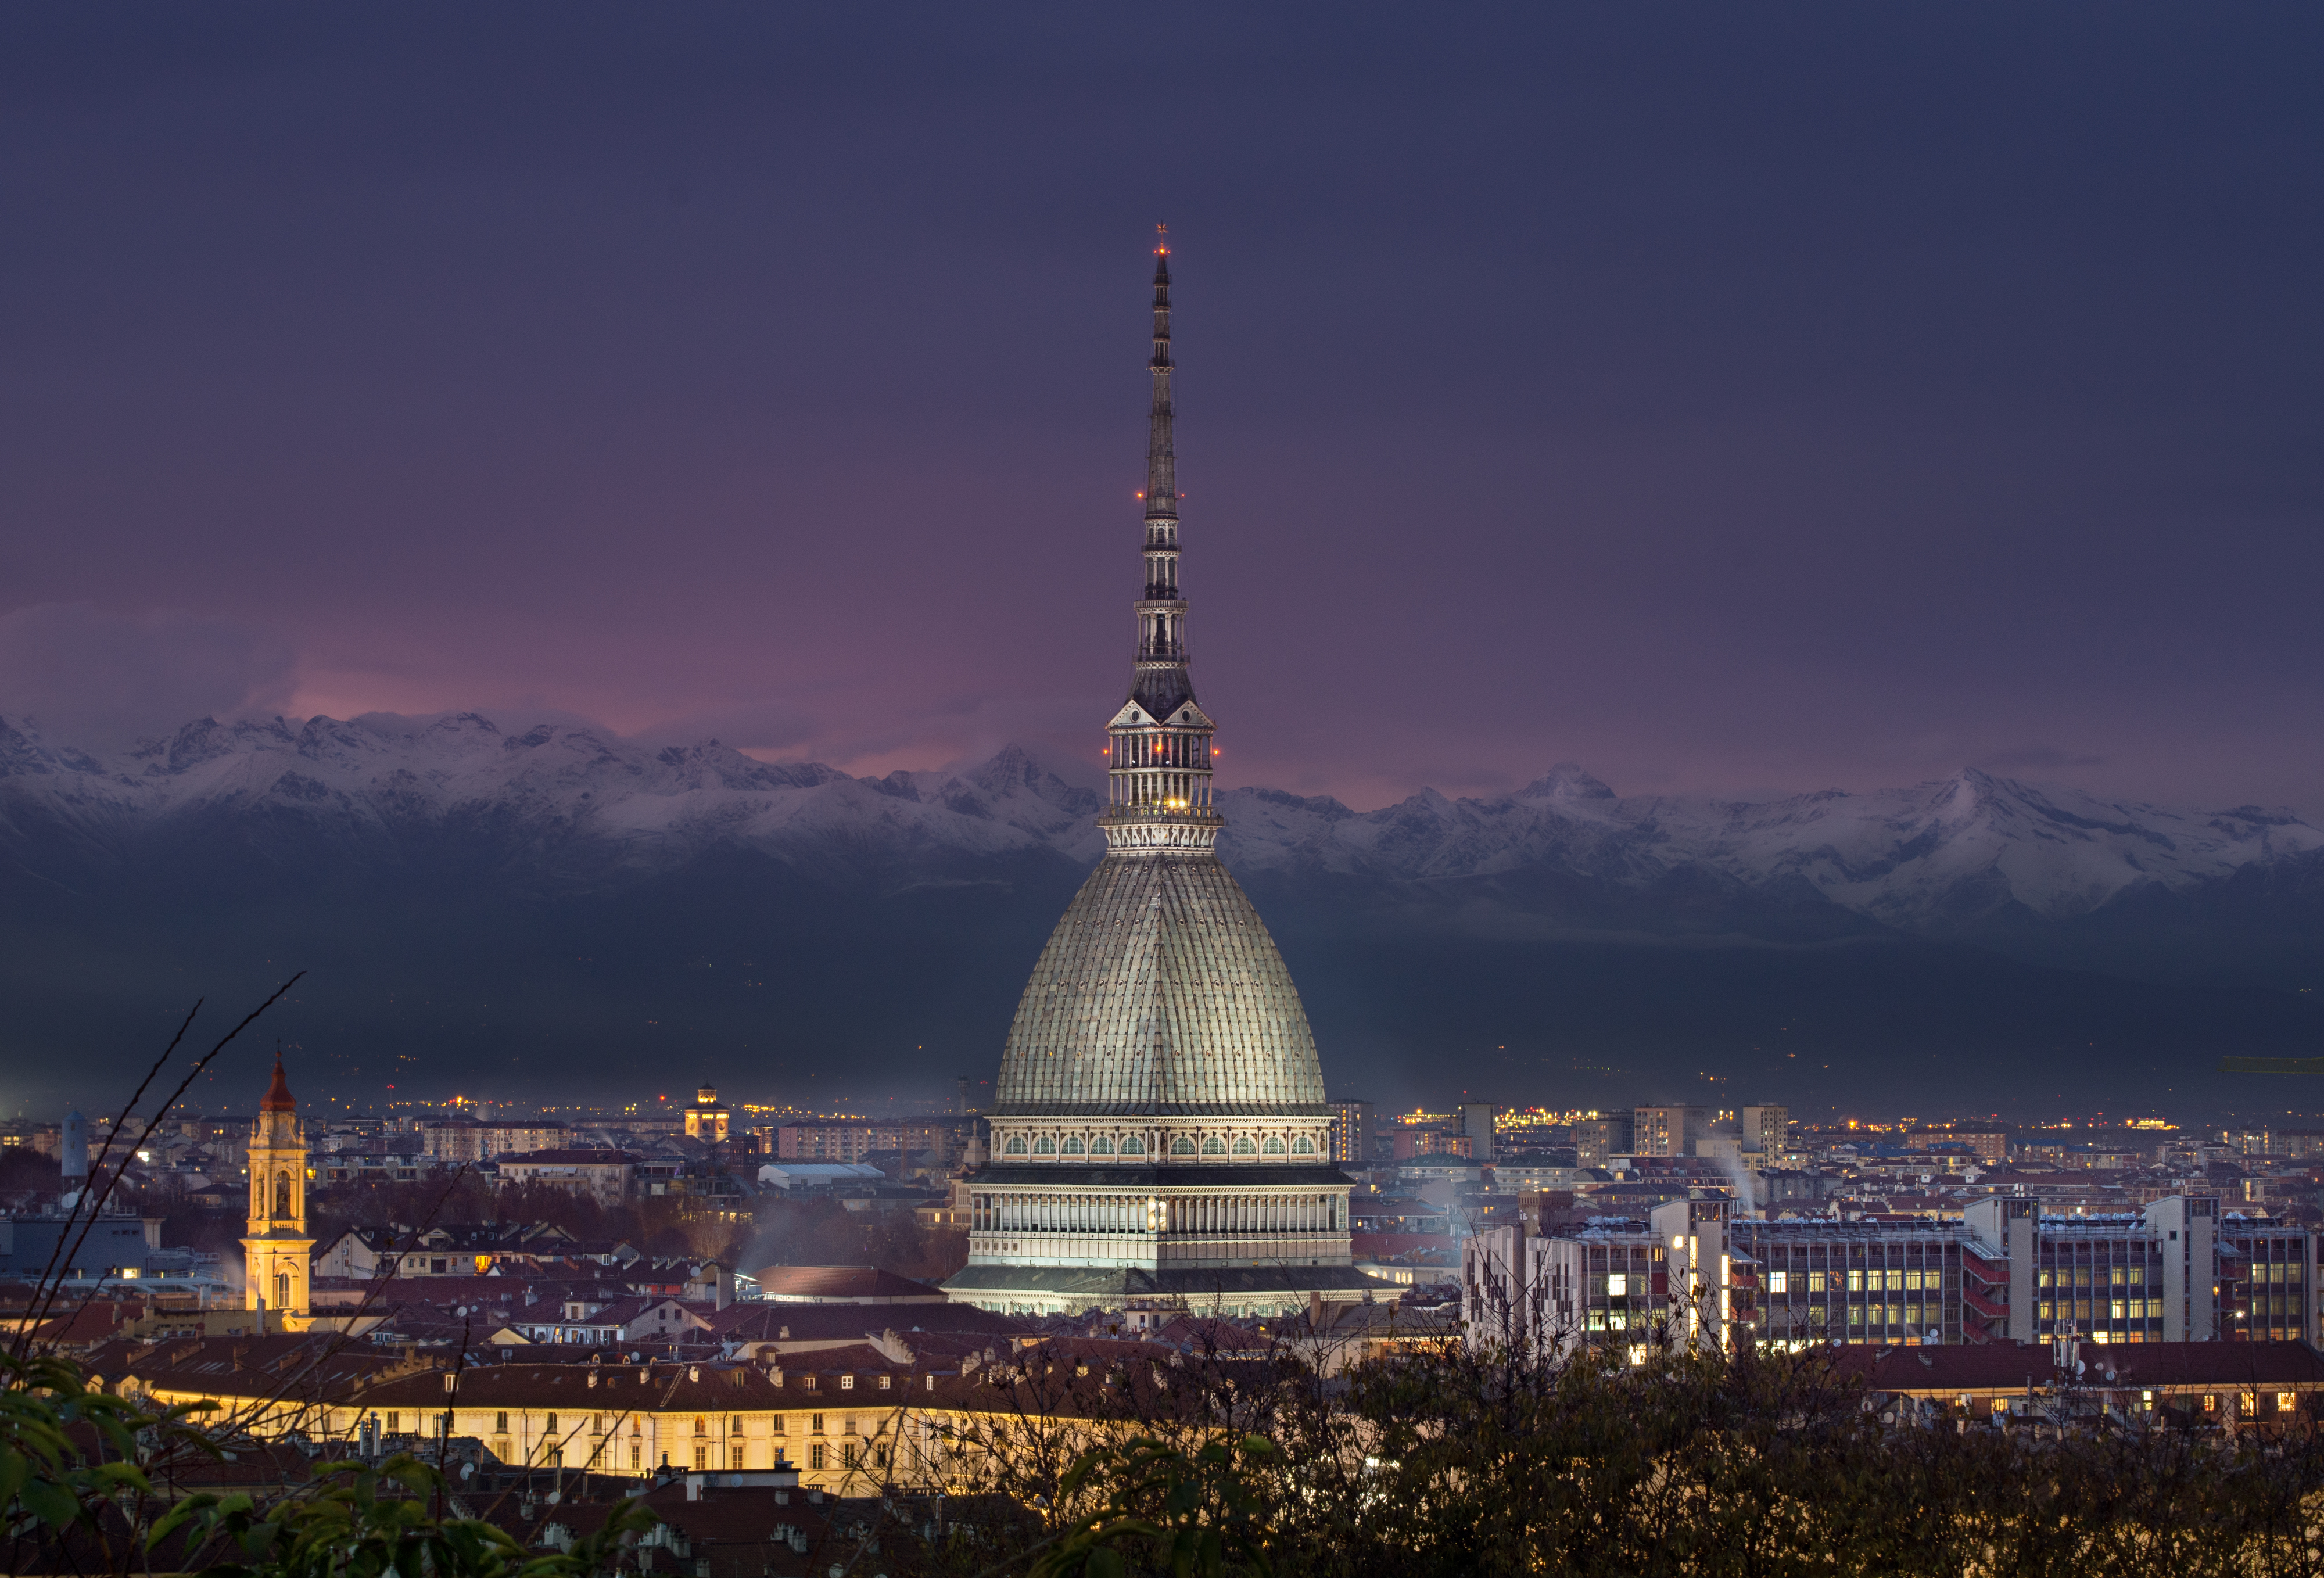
1160	992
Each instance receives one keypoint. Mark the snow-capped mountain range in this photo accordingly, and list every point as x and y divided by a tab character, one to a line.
472	902
567	807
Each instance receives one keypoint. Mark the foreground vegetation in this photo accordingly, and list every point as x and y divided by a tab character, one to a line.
1465	1462
1428	1464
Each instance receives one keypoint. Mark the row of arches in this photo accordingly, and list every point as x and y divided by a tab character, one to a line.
1276	1147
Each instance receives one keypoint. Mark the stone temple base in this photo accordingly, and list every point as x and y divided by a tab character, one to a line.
1220	1290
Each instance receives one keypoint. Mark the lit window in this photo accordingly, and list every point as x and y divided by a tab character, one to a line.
1618	1285
1778	1281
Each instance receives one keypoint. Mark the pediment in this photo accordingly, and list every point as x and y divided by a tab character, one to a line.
1191	717
1131	716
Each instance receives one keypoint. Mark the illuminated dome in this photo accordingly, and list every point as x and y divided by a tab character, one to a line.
1160	993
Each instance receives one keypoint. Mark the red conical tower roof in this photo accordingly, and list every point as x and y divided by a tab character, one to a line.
279	1098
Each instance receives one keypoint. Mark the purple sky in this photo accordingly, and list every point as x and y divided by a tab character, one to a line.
1736	399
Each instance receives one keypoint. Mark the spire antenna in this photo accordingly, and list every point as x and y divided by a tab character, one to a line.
1159	749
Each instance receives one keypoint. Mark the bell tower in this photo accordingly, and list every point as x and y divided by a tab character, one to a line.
276	1251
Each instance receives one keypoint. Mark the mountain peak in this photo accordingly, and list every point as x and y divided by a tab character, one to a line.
1565	781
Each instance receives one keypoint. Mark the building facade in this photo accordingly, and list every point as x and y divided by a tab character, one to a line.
1667	1131
2177	1272
1159	1125
605	1177
840	1139
1766	1130
453	1141
1595	1140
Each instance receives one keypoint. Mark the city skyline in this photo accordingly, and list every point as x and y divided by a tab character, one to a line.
620	923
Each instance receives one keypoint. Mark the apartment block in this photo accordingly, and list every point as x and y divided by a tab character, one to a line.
1667	1131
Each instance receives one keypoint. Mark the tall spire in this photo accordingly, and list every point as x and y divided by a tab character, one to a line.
1161	453
1160	742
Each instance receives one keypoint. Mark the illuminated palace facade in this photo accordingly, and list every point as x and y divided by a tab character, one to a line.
1159	1129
